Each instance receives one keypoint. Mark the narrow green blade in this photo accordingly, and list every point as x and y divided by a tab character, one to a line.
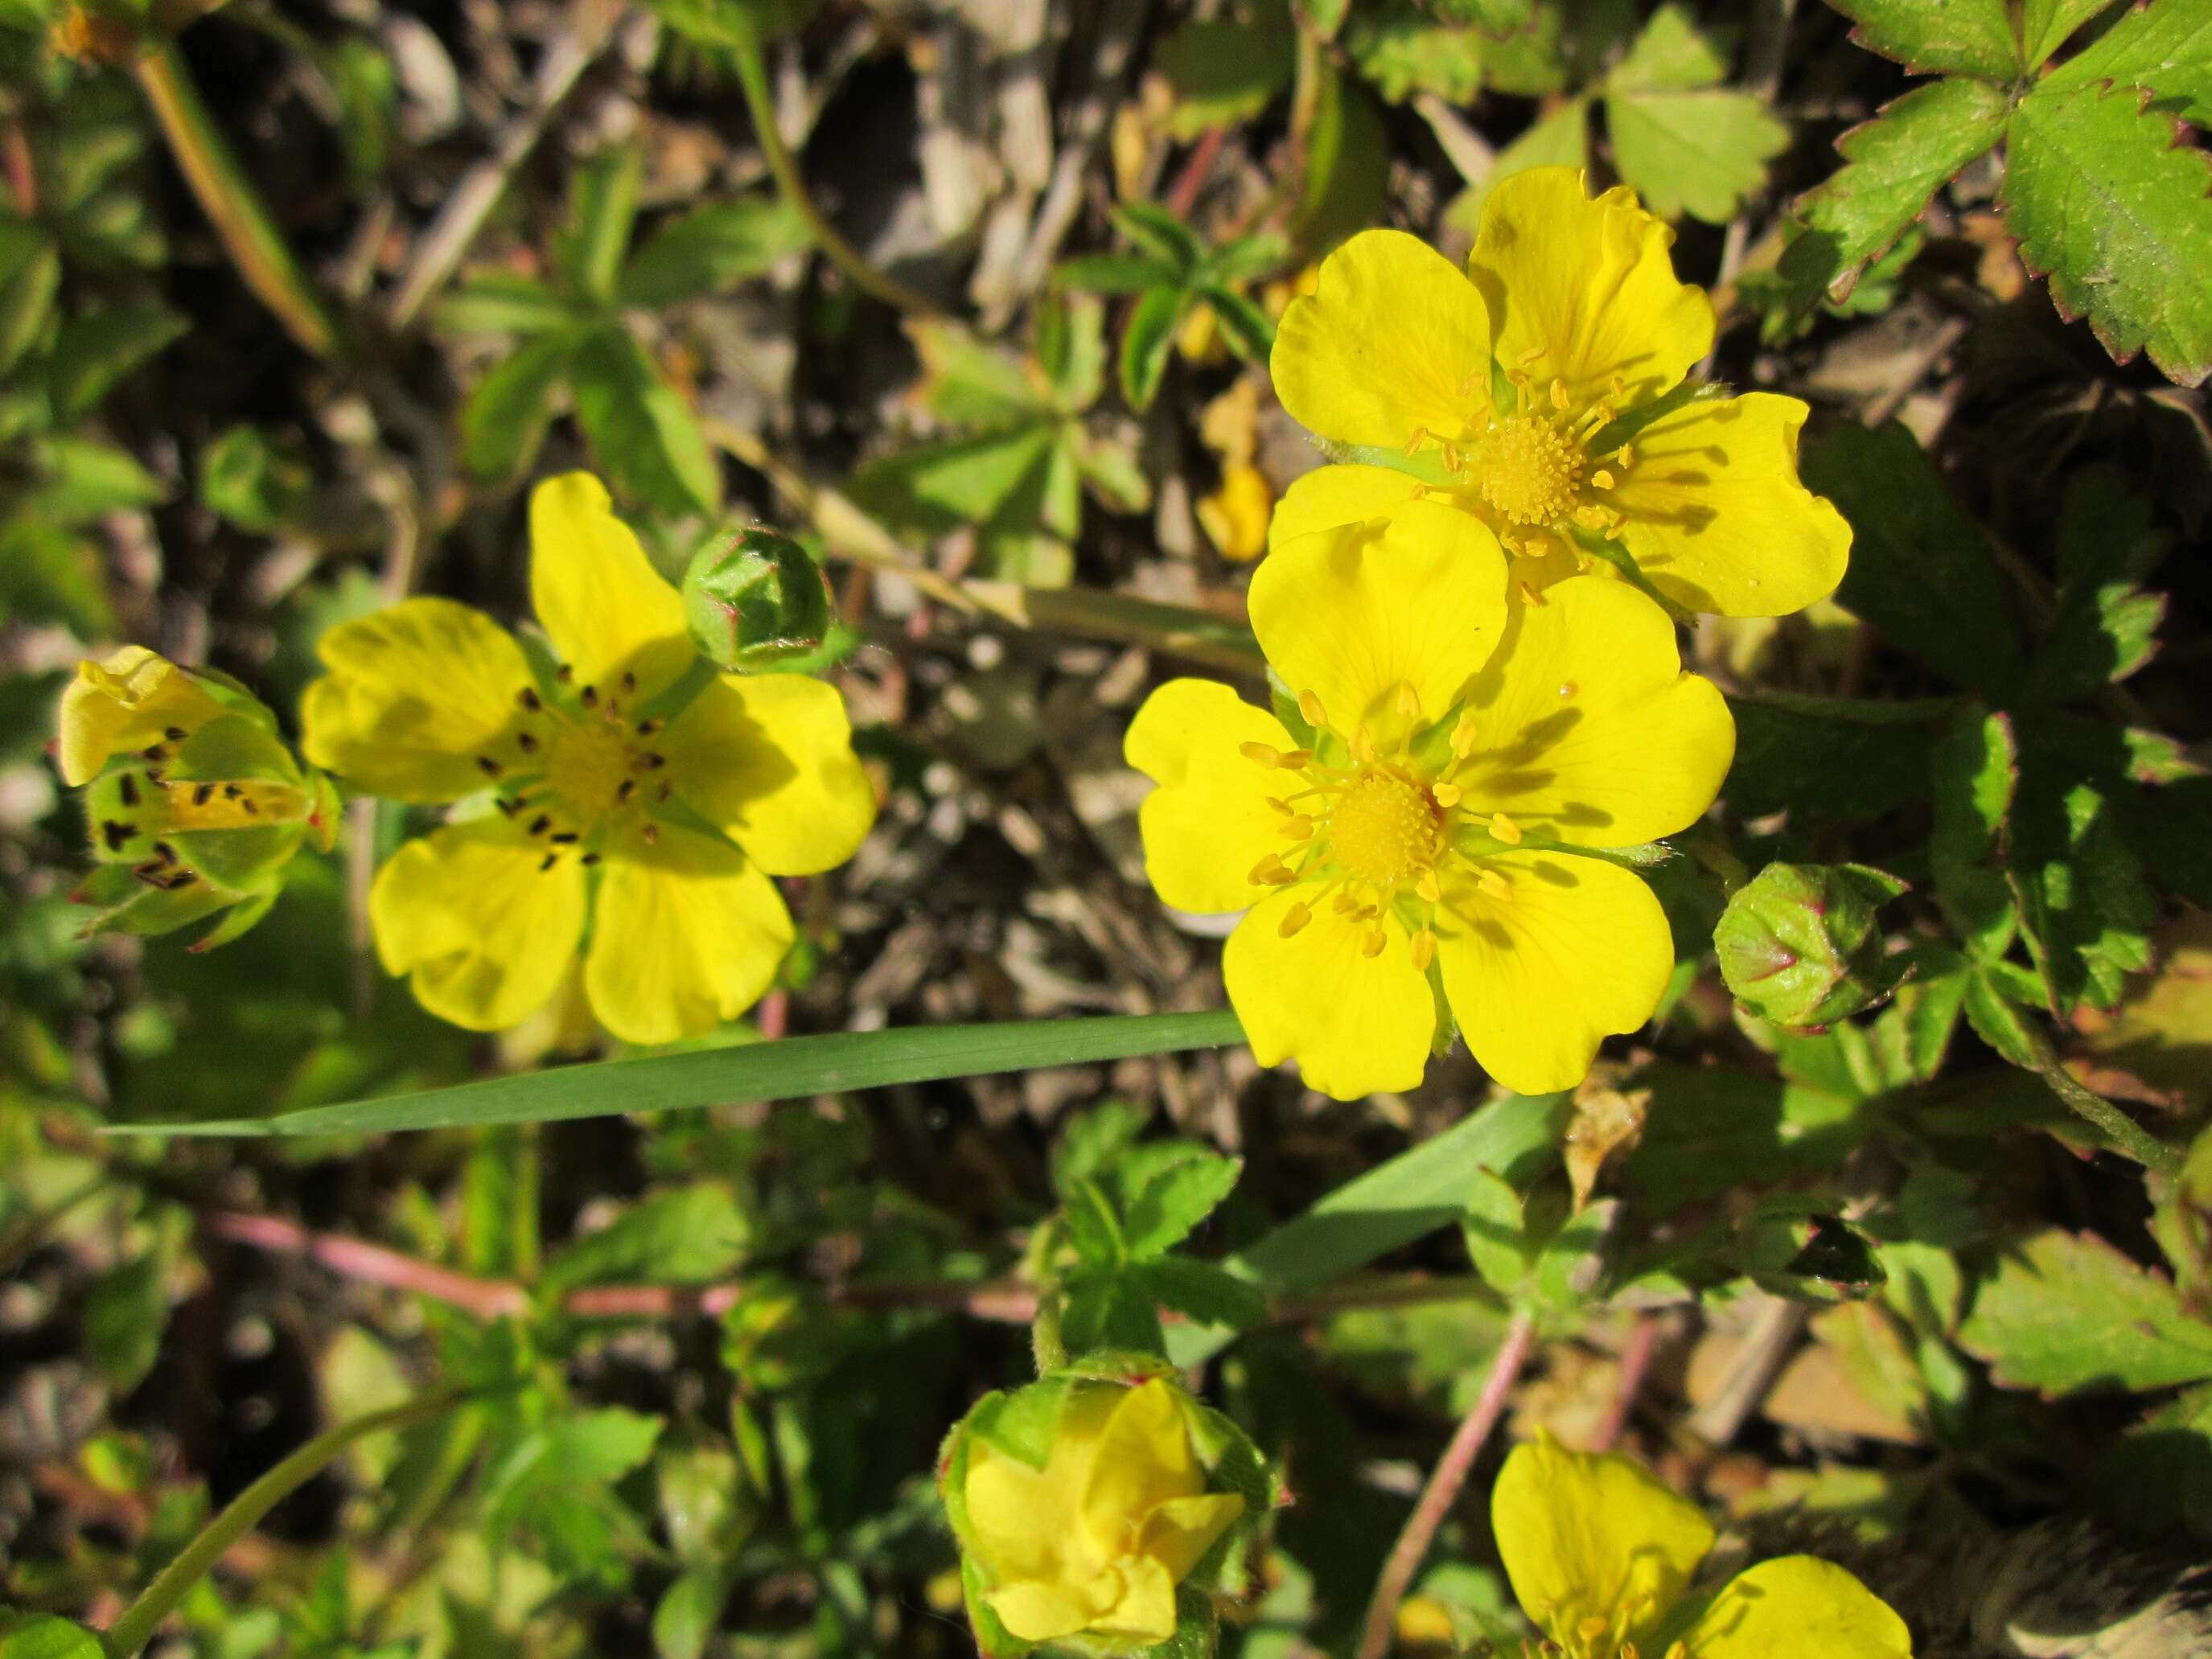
795	1068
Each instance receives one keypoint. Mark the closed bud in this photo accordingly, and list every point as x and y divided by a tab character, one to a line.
1099	1512
754	600
1799	943
194	803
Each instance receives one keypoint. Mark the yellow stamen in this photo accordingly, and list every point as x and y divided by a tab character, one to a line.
1493	885
1310	711
1424	950
1504	829
1293	919
1260	754
1371	946
1409	701
1428	888
1445	794
1558	394
1463	737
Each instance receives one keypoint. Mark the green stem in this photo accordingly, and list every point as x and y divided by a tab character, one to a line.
174	1582
228	198
752	76
2125	1134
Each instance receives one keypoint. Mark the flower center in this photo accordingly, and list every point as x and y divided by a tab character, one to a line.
1530	471
588	766
1385	829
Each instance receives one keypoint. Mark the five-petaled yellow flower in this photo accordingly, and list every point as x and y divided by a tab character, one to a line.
1540	379
660	839
1094	1543
1465	759
1600	1556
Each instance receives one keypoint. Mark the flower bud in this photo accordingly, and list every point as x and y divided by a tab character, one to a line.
1082	1504
1799	943
755	599
194	803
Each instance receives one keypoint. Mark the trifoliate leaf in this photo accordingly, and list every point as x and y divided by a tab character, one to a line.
1977	772
504	421
1202	1292
2085	908
2045	24
2107	200
642	431
1146	343
2165	46
1699	153
2103	632
2065	1313
1403	50
1952	37
1223	73
710	250
92	353
1172	1203
1672	54
1893	164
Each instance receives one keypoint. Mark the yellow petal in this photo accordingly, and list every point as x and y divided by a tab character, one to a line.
1020	1515
770	759
1575	950
485	933
688	933
1716	517
1582	290
1354	614
415	695
1798	1604
1356	1024
1178	1534
1329	496
606	609
1144	1460
1144	1608
1033	1610
1587	731
1393	341
132	701
1594	1537
1209	822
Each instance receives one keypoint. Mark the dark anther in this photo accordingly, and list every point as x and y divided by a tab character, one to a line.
202	793
488	766
564	673
629	682
565	838
251	810
114	833
651	832
666	790
647	728
590	695
528	699
509	808
149	874
155	754
551	859
625	789
127	786
174	734
540	824
589	858
181	880
656	761
529	743
164	854
232	791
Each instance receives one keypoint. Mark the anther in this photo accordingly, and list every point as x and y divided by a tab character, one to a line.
624	790
1371	946
540	824
629	684
528	700
1530	596
1409	701
488	766
1463	737
1528	358
647	728
232	791
1297	827
1420	436
164	854
245	802
564	673
1362	745
1619	384
1426	886
1295	917
155	754
547	862
1264	870
1504	829
1626	455
1590	1629
589	697
564	838
1445	794
1310	711
174	733
655	762
1601	479
508	809
649	834
202	794
1281	806
588	859
1260	754
1558	394
127	786
1424	950
527	743
1494	885
114	833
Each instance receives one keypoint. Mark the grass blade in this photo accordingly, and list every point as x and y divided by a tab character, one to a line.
794	1067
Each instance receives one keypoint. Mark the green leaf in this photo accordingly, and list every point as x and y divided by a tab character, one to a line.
794	1068
1072	350
30	276
1976	772
1710	1129
968	382
76	480
643	433
1672	54
1146	343
1892	165
1997	1021
503	422
1222	73
936	488
2104	197
2164	46
1347	165
125	1312
42	1637
587	250
1699	153
1159	234
91	353
2045	26
710	250
1402	49
1172	1203
2066	1313
684	1620
690	1234
259	482
1950	37
1243	325
2085	907
1202	1292
1494	16
1495	1229
1920	571
500	303
2103	633
1116	273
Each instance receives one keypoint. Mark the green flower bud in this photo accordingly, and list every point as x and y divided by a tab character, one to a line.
755	599
1799	943
1099	1512
194	803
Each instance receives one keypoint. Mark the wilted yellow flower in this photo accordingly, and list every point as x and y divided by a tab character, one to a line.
1549	382
662	834
1601	1555
194	802
1438	821
1094	1542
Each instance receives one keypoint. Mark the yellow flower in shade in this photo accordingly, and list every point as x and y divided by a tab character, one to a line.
1547	385
1600	1556
1094	1543
657	838
1437	826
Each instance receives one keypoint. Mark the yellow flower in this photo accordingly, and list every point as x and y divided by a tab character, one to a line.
663	837
135	700
1540	379
1094	1542
1440	818
1600	1554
